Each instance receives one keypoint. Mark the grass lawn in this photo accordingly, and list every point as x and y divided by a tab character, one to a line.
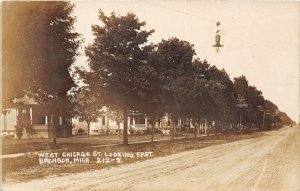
11	146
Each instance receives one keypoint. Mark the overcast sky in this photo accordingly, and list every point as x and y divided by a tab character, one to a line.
261	39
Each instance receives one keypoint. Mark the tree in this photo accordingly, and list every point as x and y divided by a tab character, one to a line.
174	68
117	116
284	119
87	106
23	123
240	91
260	112
39	46
271	110
39	49
118	63
255	99
218	93
152	105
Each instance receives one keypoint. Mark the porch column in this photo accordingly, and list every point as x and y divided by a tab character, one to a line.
133	121
60	120
128	121
16	116
51	119
46	120
128	125
30	113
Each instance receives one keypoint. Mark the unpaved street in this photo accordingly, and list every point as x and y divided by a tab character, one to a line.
270	162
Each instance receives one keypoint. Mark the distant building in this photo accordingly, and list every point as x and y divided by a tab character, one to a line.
137	122
105	125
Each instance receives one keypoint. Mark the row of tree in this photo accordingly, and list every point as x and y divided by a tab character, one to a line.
126	73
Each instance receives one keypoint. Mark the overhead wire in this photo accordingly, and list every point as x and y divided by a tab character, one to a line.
207	20
255	44
239	37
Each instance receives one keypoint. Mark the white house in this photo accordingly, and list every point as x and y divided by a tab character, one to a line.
105	125
8	122
43	123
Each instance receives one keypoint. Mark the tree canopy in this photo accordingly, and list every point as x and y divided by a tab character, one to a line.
126	73
117	58
86	106
39	46
129	74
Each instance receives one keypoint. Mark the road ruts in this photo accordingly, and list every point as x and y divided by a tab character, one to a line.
270	162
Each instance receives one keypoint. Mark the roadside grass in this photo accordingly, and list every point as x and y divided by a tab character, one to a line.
11	146
27	167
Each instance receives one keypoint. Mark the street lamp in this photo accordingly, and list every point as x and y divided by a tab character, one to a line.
217	39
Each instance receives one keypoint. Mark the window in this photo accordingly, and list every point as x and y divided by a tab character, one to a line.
140	119
80	130
179	121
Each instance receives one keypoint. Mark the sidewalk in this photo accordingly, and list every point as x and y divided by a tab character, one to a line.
131	142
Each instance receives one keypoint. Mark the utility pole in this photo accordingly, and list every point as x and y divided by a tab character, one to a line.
241	103
275	117
264	116
260	108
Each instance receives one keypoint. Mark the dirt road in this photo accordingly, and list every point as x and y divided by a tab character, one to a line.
270	162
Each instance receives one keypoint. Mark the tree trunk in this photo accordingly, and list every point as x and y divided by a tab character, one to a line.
125	128
119	129
196	129
54	129
189	127
152	131
173	130
54	134
206	128
88	133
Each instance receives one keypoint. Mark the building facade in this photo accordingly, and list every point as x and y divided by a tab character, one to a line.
106	125
41	122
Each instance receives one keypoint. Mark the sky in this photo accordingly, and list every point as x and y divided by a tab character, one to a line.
261	38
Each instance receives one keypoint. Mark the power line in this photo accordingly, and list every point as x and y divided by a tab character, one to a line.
180	11
258	40
232	35
253	44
